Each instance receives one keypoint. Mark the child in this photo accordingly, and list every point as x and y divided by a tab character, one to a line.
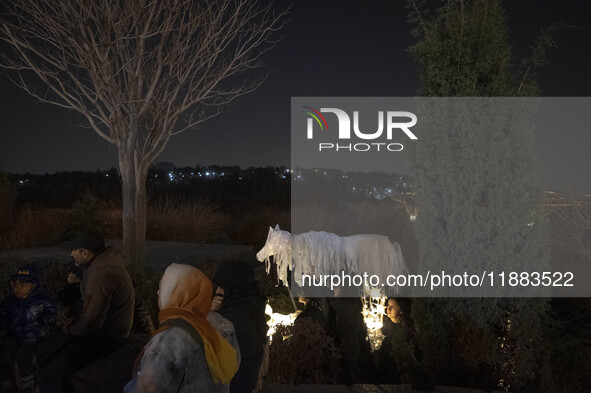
25	316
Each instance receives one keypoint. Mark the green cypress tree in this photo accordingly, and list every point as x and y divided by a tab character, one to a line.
477	189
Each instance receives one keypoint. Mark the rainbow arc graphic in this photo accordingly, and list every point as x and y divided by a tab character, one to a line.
316	115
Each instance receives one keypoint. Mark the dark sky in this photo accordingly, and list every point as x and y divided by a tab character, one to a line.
331	48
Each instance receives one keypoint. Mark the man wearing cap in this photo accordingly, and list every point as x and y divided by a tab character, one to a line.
107	311
107	291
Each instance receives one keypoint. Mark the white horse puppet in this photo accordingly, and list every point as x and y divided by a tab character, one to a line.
322	253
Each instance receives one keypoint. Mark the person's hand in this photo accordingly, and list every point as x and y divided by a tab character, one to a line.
73	279
67	324
217	299
215	304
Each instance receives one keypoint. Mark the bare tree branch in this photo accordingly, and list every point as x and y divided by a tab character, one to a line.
138	71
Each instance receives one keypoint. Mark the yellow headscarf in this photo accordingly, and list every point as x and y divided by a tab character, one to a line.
186	293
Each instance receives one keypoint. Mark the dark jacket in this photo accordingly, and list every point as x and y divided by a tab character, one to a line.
108	298
29	318
347	326
245	308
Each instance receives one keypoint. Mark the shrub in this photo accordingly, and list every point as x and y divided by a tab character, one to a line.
146	283
303	353
570	344
84	216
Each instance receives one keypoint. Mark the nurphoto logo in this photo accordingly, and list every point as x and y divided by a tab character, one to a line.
395	121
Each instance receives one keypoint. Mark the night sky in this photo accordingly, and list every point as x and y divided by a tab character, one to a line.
330	48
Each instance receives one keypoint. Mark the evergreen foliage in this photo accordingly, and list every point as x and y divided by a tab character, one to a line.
478	194
84	216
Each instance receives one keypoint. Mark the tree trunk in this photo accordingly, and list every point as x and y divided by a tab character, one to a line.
133	182
139	235
128	208
134	171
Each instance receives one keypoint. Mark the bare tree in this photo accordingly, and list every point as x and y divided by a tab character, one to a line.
138	71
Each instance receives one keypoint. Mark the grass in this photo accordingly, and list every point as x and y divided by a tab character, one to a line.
34	227
168	219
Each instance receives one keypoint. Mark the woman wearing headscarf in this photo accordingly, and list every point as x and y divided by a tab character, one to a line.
186	353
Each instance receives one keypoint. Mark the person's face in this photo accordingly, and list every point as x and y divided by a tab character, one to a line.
393	311
22	288
218	297
81	256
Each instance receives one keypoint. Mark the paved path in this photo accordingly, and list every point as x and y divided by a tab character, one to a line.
158	254
271	388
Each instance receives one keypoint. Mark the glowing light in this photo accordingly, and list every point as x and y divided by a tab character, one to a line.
374	307
278	319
